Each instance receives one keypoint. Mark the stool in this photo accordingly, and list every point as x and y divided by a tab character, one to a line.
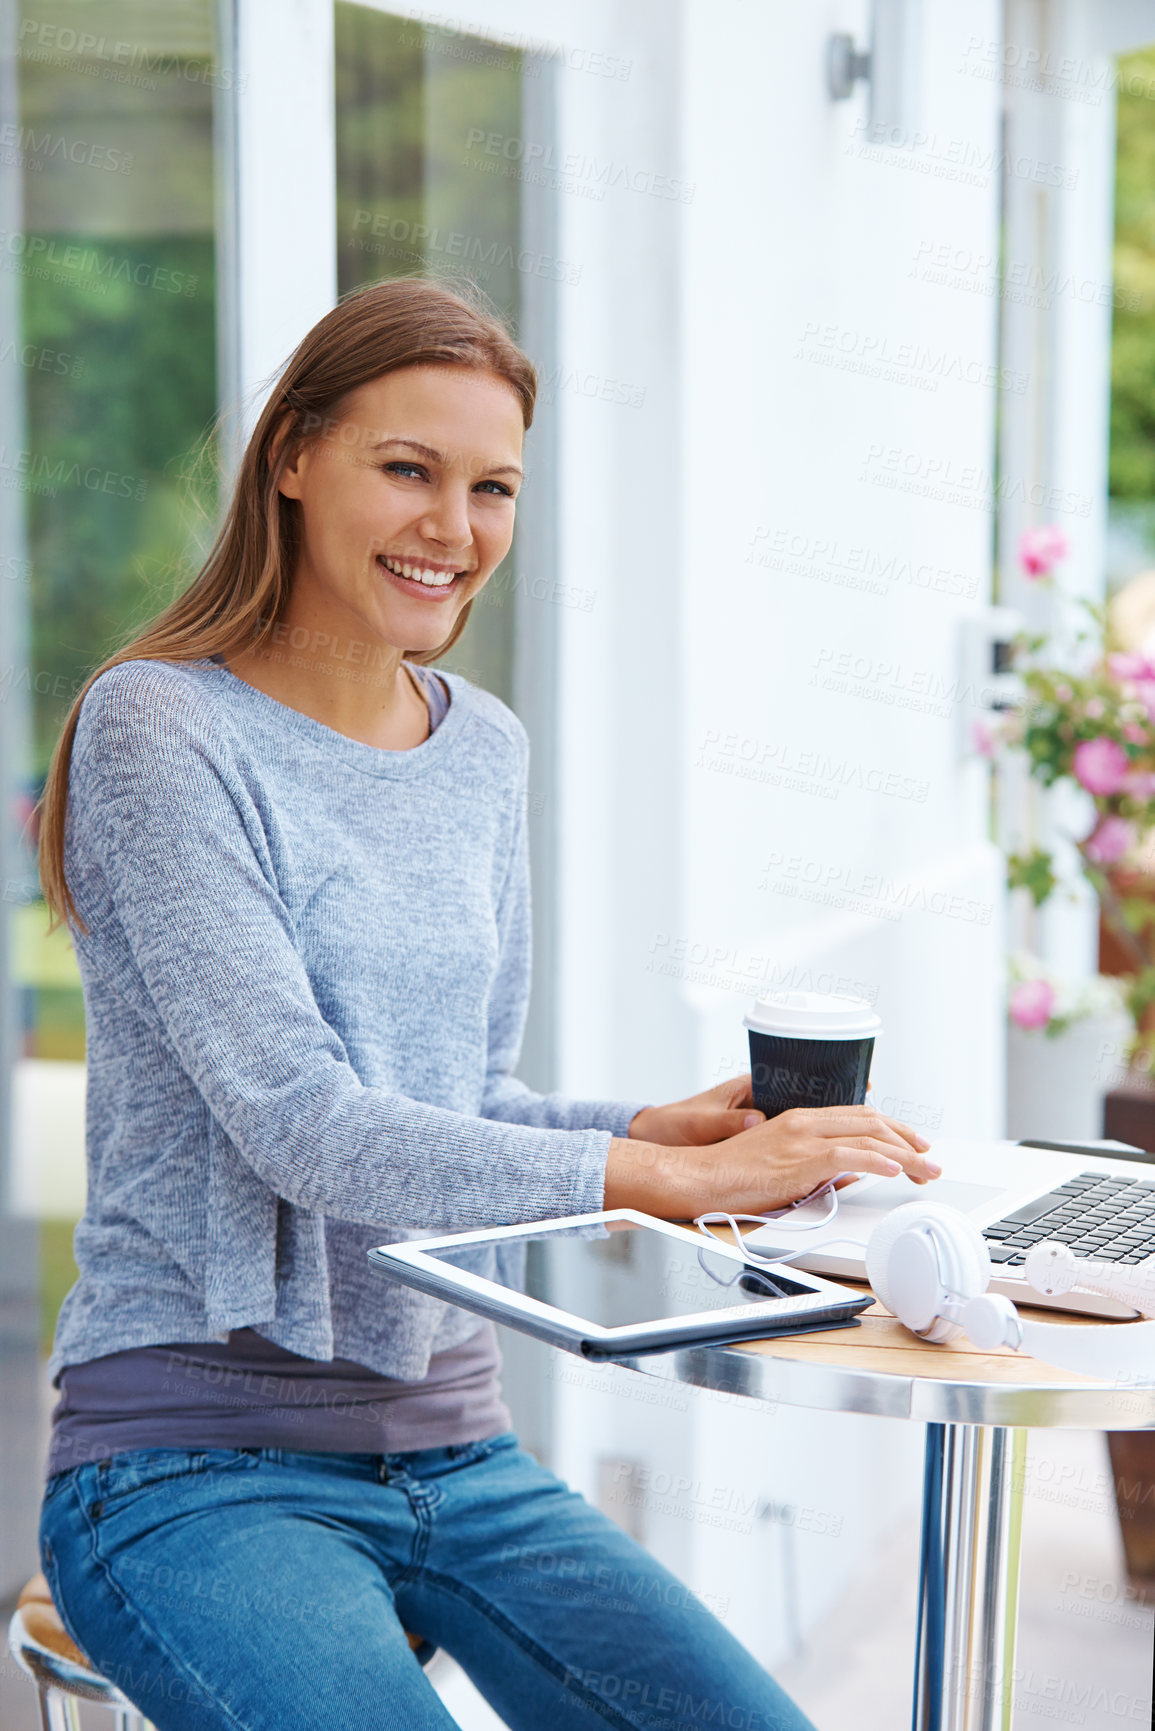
46	1652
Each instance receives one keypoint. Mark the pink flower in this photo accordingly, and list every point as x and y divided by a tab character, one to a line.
1125	665
1100	765
1031	1004
1110	840
1041	549
1094	708
984	738
1136	734
1140	783
1136	674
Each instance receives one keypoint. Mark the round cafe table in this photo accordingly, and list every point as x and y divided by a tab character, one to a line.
977	1408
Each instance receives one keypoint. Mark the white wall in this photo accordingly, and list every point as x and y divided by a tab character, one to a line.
726	308
829	391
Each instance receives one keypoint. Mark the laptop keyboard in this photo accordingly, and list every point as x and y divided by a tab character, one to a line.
1110	1219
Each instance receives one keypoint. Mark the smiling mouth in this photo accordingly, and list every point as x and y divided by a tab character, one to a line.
418	576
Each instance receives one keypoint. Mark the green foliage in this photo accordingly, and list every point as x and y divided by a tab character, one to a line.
107	542
1132	461
1033	872
1136	914
412	195
380	150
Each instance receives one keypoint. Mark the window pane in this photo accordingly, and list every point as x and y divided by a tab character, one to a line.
117	262
109	375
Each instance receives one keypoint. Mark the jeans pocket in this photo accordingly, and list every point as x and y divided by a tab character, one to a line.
136	1470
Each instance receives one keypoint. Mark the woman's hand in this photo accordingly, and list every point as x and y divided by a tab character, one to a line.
775	1162
702	1118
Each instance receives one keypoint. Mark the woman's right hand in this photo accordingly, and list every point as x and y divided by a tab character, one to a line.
776	1162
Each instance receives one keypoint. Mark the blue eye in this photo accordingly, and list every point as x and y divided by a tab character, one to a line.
417	471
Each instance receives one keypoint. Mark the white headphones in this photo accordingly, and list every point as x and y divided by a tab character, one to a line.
930	1267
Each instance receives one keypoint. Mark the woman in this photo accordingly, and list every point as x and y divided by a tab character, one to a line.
294	863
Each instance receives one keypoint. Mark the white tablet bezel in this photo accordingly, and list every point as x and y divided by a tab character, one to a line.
506	1304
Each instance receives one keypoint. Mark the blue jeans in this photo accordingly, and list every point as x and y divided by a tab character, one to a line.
263	1588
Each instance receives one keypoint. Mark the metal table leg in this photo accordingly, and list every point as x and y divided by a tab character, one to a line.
968	1577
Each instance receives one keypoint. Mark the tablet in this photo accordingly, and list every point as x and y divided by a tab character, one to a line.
618	1283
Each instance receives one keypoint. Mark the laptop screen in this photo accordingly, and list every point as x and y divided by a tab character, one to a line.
626	1275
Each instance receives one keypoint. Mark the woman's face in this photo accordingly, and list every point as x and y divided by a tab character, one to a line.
408	504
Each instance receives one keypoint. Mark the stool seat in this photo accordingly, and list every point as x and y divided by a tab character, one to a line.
46	1652
42	1621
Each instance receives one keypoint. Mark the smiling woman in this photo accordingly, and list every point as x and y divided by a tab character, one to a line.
294	861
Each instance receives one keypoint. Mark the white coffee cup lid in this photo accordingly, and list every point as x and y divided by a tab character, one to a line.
813	1016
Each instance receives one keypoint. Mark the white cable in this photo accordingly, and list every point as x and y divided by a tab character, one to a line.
752	1253
777	1218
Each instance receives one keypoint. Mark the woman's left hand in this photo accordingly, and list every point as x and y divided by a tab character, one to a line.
723	1111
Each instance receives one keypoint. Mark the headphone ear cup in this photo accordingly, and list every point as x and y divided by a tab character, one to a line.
879	1246
964	1260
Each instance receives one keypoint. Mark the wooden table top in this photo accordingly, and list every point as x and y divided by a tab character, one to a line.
882	1344
880	1368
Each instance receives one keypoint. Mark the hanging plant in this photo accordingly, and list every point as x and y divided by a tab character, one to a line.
1093	726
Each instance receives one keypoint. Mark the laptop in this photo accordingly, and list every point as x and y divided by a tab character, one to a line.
1102	1204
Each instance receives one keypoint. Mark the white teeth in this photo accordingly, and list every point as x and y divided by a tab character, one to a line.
417	573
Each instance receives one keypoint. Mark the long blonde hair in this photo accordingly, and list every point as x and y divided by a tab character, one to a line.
241	591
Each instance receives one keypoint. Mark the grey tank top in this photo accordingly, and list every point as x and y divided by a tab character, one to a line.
252	1394
249	1393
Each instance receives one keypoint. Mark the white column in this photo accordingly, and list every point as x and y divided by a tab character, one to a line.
277	190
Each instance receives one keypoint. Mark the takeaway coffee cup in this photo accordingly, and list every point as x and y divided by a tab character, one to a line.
809	1049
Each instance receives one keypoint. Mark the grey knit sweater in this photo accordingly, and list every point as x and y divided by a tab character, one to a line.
306	979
